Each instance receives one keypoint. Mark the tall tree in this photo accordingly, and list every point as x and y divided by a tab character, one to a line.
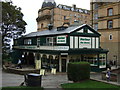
13	25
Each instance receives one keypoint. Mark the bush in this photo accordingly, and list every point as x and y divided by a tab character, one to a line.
78	71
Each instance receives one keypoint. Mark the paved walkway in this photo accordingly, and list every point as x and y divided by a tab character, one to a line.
48	81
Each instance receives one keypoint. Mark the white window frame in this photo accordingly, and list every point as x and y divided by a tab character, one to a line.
110	11
28	41
110	23
71	41
38	41
50	42
110	37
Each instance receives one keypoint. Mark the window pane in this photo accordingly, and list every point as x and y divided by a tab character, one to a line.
96	16
110	12
95	6
96	27
110	37
110	24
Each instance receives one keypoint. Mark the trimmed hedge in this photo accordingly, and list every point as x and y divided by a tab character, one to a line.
78	71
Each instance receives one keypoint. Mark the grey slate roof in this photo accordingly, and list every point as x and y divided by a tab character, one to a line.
53	31
56	32
48	3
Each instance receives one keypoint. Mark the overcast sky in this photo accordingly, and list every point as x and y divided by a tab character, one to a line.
30	9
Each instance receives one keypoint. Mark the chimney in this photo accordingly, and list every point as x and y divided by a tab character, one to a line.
74	6
66	22
50	26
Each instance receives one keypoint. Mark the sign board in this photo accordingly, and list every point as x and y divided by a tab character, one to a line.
64	53
84	42
64	48
61	39
61	48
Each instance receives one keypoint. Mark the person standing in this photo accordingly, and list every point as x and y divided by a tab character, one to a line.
19	64
108	75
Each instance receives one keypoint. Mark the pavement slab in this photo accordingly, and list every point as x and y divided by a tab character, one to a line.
48	81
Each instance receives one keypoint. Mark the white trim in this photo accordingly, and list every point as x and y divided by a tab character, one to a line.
110	36
93	42
97	42
71	41
76	42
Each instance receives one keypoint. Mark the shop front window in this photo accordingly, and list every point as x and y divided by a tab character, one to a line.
92	59
102	60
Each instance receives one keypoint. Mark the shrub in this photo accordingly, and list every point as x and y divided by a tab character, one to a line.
78	71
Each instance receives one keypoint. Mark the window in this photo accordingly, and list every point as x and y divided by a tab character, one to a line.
50	41
96	16
95	6
38	41
64	17
85	21
75	15
110	11
92	59
110	24
96	27
42	25
15	42
28	41
110	37
102	60
85	30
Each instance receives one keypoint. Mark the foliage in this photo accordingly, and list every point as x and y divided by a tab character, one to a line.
90	84
78	71
13	25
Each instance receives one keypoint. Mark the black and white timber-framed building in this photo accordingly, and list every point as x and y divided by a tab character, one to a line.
57	47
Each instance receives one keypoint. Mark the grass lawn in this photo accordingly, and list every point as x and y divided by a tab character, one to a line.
22	88
90	84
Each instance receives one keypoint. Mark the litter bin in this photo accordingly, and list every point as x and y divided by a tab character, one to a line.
32	79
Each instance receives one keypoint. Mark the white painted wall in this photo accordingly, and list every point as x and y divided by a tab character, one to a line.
93	42
71	41
76	42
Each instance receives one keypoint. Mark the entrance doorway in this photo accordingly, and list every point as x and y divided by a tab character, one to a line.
29	59
63	63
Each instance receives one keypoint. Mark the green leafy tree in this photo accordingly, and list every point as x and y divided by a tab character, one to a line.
13	25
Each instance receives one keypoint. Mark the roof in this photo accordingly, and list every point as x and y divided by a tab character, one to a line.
80	10
87	51
56	32
48	3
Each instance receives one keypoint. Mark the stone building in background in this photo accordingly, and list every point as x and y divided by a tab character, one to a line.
105	18
52	15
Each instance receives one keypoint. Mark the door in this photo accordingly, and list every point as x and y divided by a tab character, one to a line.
63	65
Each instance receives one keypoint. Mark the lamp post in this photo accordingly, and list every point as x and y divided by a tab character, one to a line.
115	60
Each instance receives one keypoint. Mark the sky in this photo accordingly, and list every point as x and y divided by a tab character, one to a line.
30	9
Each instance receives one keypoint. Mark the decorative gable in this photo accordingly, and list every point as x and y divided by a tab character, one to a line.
85	30
82	31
